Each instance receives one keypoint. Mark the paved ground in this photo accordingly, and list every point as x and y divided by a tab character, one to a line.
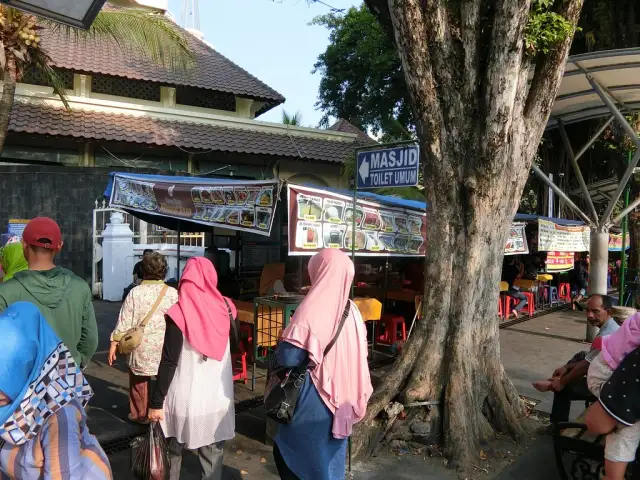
530	351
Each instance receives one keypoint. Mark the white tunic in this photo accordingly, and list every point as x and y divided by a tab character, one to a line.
199	406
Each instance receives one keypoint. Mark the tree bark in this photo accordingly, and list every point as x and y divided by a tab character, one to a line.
479	126
8	98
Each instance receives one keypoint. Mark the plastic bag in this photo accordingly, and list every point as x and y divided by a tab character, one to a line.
149	455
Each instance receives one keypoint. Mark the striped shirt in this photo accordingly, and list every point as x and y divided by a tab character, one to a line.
63	450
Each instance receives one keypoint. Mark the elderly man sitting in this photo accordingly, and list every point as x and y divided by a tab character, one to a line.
569	382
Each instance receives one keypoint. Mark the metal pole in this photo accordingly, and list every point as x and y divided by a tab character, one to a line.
540	174
598	267
592	140
628	209
623	252
576	169
178	253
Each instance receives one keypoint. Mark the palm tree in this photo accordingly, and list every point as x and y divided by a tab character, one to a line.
147	33
293	120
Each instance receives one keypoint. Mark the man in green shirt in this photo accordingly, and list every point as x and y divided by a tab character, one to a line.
63	298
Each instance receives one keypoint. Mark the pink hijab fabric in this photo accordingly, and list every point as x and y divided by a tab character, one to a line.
342	378
201	313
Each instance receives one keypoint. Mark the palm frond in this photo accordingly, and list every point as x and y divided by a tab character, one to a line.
294	120
141	31
41	62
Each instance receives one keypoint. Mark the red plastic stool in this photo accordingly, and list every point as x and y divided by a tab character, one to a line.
500	309
246	334
239	366
510	303
564	292
531	303
391	323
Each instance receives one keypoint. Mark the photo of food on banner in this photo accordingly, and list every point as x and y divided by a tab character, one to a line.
137	195
309	208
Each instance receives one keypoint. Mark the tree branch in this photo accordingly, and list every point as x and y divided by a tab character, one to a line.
550	69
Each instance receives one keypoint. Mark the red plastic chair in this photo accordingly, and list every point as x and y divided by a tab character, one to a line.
239	365
246	334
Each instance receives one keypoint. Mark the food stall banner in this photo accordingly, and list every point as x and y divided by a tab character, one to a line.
615	242
559	261
562	238
247	206
323	219
517	241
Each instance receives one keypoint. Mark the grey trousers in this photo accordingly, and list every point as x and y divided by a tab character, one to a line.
210	457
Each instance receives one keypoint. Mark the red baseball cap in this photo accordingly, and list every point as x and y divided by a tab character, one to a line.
43	232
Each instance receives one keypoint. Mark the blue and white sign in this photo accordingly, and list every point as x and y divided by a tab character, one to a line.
389	167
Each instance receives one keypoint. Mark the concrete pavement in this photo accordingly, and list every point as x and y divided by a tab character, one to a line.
530	351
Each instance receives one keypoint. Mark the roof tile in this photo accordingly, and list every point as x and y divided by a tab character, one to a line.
212	70
46	120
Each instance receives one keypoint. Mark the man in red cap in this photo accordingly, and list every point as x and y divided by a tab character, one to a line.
63	298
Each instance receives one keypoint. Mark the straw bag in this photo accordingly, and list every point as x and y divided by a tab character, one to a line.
133	337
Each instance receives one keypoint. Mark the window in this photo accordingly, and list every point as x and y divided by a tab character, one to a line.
201	97
125	87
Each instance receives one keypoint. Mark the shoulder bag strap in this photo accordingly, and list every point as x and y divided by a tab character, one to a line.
234	325
155	307
335	337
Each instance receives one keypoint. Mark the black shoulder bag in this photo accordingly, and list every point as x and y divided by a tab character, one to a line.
284	383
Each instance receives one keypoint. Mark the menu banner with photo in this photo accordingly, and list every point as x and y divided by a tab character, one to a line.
559	261
236	205
517	240
321	219
562	238
615	242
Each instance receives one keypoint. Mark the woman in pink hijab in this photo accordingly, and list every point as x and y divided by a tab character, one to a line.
193	396
338	386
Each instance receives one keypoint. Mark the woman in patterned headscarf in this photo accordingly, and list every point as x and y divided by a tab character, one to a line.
43	429
12	258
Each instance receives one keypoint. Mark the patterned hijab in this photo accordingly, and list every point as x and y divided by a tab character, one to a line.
37	373
13	261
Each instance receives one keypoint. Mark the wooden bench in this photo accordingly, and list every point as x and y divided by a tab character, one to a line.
580	453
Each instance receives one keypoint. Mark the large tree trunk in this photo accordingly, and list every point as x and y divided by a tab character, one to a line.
8	97
479	125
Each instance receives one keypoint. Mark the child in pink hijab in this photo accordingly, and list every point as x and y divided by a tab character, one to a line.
335	394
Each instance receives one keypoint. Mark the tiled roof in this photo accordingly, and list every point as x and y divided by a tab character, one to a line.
344	126
46	120
212	70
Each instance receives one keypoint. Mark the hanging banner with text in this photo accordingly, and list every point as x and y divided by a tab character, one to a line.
562	238
246	206
321	219
559	261
615	242
517	240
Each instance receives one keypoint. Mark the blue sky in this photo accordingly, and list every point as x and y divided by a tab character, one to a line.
273	41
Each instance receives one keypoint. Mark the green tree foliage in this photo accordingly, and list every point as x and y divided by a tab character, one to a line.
362	79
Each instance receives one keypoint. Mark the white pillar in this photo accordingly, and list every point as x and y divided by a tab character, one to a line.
117	258
598	268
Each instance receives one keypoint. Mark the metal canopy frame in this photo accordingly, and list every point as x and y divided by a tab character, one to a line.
597	85
582	106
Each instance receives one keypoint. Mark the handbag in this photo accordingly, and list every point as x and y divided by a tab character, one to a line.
284	384
132	338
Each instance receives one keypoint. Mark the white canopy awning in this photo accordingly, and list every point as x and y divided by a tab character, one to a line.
617	71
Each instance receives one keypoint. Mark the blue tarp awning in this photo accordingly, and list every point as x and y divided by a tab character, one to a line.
374	197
